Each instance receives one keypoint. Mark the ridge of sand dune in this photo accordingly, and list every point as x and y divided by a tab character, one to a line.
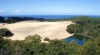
52	30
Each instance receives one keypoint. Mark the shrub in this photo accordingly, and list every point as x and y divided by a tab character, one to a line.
46	39
5	32
34	39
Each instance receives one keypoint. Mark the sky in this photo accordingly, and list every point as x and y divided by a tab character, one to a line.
49	7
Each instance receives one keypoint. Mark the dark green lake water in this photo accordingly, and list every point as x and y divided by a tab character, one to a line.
80	39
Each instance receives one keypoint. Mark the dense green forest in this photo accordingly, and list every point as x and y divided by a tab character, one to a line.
85	25
32	44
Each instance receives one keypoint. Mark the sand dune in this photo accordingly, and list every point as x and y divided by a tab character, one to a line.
52	30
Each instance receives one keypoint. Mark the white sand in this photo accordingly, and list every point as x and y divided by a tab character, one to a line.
52	30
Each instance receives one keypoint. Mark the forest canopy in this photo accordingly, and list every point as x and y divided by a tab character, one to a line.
85	25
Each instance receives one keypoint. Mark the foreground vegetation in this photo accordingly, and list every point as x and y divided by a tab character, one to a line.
32	45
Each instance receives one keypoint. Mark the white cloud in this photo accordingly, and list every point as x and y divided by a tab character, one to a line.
2	11
16	11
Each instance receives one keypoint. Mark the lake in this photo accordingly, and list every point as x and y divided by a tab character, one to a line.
80	39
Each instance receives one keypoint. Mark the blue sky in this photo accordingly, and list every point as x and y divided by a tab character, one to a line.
49	7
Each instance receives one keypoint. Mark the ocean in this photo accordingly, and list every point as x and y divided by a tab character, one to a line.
52	16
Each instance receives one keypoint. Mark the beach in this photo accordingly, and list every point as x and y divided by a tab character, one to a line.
52	30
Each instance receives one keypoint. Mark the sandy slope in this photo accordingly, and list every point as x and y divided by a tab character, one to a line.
51	30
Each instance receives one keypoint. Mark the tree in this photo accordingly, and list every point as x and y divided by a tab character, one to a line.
35	38
5	32
46	39
86	26
73	47
2	19
89	48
